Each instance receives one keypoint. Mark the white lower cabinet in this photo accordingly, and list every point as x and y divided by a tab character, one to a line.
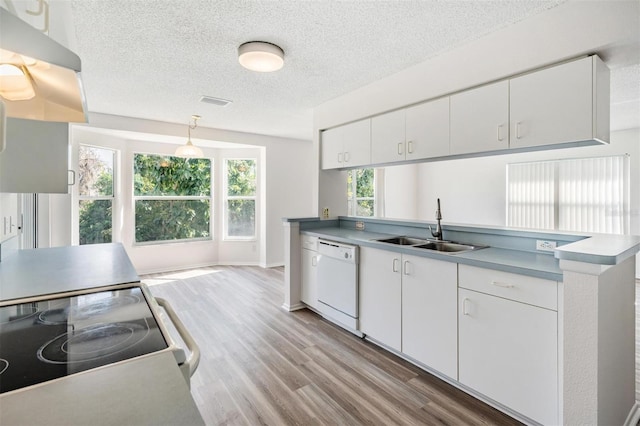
309	268
508	350
429	314
380	296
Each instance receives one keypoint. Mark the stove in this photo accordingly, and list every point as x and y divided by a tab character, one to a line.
48	338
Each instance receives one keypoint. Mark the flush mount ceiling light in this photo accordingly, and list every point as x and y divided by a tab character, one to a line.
260	56
189	150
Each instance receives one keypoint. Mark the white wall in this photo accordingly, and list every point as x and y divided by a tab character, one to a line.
283	170
474	190
570	30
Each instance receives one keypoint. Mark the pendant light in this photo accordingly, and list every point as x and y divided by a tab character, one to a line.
189	150
15	82
260	56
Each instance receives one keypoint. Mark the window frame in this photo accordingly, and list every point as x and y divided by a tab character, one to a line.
135	198
352	202
226	198
113	198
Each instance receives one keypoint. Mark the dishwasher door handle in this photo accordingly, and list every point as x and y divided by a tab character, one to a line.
194	357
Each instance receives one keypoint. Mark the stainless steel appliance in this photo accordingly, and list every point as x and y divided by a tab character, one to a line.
51	337
338	282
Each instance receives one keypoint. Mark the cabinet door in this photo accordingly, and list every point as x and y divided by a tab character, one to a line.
357	143
427	130
429	313
553	105
8	216
332	153
388	137
380	296
309	293
480	119
36	157
508	351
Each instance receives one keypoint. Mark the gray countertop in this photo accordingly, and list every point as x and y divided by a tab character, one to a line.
142	391
43	271
515	261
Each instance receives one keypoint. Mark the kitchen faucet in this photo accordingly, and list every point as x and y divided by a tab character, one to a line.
438	233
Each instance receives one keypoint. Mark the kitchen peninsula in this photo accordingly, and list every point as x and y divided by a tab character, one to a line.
545	336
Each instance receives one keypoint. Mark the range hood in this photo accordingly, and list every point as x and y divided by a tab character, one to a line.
39	78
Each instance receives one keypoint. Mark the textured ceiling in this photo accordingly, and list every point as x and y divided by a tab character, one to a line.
154	59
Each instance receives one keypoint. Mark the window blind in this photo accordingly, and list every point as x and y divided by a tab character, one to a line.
584	195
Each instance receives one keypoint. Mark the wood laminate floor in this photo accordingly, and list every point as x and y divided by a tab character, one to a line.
263	365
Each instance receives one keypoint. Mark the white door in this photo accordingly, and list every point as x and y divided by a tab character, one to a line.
357	143
429	313
388	137
309	293
553	105
508	351
331	147
427	130
380	296
480	119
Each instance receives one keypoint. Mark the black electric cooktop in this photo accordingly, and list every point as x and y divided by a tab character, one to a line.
49	339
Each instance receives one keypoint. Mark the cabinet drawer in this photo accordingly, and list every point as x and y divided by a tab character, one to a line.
521	288
309	242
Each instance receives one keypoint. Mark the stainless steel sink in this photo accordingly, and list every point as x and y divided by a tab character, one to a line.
403	241
448	247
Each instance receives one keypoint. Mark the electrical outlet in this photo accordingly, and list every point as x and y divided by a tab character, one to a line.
360	225
544	245
325	213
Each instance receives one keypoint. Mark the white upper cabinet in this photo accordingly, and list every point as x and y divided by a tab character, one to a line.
480	119
388	137
36	157
561	104
347	146
427	130
414	133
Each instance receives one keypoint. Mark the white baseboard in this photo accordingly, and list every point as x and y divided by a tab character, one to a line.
291	308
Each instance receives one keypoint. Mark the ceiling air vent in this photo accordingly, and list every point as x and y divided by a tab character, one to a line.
214	101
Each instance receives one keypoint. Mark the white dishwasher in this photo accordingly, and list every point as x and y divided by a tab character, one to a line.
338	283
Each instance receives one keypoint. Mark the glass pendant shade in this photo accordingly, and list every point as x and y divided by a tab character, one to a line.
189	150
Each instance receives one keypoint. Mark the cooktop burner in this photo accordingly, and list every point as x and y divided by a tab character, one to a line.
49	339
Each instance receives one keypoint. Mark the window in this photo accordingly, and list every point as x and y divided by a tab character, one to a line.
240	199
172	197
585	195
96	194
361	184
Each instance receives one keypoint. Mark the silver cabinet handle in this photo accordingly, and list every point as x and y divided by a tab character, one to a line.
194	359
346	156
503	285
400	148
395	265
464	307
410	147
339	157
500	132
406	267
518	129
73	178
314	261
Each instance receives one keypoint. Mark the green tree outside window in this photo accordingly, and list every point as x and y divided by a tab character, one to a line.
172	198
